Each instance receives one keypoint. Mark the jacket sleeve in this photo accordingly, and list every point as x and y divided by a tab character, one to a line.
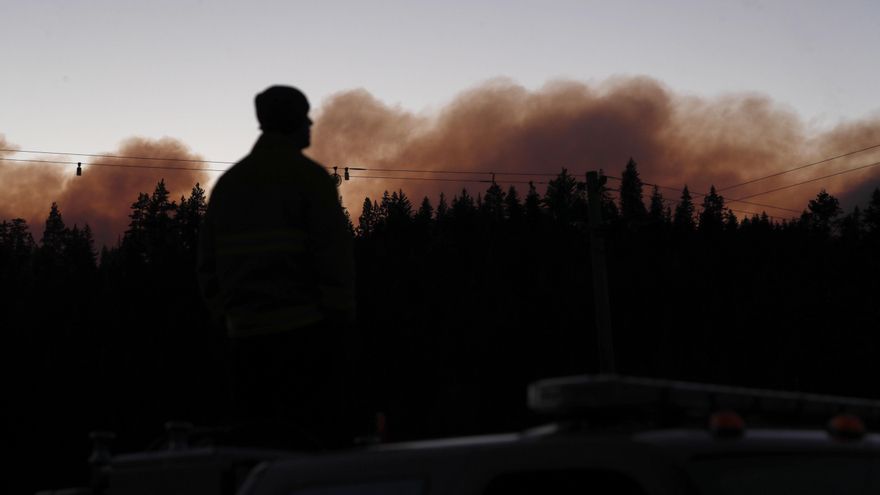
331	245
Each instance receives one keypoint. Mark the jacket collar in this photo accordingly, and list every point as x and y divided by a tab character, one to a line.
276	140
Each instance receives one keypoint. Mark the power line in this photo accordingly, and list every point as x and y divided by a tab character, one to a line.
127	157
783	172
754	213
433	179
442	179
37	161
370	169
373	177
368	177
751	181
812	180
466	172
195	169
704	195
119	165
391	170
432	171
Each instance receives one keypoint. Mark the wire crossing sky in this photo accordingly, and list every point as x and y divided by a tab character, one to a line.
407	177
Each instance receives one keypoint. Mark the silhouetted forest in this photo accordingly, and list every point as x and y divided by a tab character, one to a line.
462	302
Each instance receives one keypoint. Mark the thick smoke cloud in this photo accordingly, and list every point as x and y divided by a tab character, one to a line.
102	195
23	183
502	127
676	139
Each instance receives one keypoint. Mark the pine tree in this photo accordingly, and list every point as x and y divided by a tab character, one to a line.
822	212
463	208
632	206
88	240
610	212
403	205
851	226
161	234
382	210
19	239
684	212
657	211
80	250
55	234
712	214
764	221
188	219
153	236
493	203
160	209
349	226
425	213
871	215
533	204
17	249
564	198
512	207
398	210
731	223
134	240
367	220
442	209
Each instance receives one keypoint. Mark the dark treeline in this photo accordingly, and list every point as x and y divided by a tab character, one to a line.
462	302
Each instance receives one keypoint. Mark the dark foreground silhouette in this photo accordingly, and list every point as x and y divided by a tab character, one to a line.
277	270
461	304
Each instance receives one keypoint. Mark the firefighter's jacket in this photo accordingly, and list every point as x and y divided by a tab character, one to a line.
275	253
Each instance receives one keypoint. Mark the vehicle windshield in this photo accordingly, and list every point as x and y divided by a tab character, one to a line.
780	474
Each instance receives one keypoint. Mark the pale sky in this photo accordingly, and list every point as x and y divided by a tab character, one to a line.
80	76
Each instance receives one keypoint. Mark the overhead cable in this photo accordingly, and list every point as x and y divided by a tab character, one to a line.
119	165
753	213
443	179
127	157
659	186
386	170
757	179
810	180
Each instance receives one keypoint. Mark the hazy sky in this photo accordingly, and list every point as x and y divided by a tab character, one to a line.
83	75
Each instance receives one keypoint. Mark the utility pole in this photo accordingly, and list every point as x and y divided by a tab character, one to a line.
595	181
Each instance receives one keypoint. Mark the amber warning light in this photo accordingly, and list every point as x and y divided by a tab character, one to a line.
846	427
726	424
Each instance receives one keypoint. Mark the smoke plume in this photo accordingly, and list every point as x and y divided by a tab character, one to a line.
676	139
498	127
102	195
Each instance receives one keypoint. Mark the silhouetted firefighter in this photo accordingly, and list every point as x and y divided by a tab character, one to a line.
276	267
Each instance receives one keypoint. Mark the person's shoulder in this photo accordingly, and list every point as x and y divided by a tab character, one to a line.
314	170
313	166
230	176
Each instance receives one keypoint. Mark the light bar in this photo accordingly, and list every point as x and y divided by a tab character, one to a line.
594	393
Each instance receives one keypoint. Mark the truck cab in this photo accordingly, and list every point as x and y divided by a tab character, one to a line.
611	436
603	434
